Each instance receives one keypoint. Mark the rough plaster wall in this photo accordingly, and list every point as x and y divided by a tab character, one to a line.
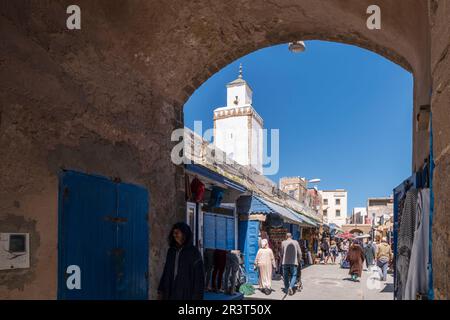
105	99
440	103
69	104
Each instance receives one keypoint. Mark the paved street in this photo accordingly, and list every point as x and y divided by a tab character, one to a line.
328	282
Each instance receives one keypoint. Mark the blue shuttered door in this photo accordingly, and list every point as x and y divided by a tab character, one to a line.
218	231
131	263
230	233
104	232
221	232
84	233
248	244
209	231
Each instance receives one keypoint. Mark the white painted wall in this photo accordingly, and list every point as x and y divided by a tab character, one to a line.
331	207
231	136
257	146
361	210
243	92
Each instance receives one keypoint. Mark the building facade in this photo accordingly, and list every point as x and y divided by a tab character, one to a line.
359	216
380	209
112	113
334	207
295	187
238	127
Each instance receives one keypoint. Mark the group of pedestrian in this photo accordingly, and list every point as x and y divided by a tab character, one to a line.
290	256
372	254
183	277
329	250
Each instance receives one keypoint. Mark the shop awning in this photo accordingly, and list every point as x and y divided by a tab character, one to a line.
259	205
306	219
252	205
286	213
200	170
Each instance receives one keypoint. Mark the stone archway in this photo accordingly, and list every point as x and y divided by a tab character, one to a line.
105	99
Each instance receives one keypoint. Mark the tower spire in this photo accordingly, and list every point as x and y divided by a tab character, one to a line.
240	71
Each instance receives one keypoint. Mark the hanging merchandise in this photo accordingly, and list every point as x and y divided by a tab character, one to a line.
417	280
405	241
216	197
198	190
275	221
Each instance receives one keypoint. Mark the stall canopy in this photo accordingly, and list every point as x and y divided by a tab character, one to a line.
345	235
306	220
334	226
258	205
197	169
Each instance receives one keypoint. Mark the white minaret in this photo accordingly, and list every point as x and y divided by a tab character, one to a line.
238	127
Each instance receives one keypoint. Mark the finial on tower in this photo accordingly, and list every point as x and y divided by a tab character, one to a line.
240	71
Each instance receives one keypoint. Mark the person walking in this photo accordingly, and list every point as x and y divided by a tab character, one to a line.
265	262
325	248
291	255
333	251
384	257
355	257
369	253
183	277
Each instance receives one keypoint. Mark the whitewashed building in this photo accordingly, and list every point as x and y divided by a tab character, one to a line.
334	206
238	127
359	216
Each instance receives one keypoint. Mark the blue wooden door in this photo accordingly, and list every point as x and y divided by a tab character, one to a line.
248	244
132	267
103	235
230	233
209	231
221	232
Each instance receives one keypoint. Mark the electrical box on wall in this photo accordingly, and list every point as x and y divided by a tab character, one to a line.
14	251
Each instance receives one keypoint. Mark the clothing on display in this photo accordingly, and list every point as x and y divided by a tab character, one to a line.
417	279
233	261
220	258
216	197
412	236
208	261
405	241
197	189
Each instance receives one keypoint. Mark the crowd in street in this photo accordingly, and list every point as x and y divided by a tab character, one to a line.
352	253
184	276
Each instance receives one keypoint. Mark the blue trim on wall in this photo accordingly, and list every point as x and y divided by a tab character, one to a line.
430	249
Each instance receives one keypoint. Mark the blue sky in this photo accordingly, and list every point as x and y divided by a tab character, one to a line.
344	114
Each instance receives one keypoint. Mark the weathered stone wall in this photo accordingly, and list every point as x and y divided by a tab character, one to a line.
440	104
68	102
106	98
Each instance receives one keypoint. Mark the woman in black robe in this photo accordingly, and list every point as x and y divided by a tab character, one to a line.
183	277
